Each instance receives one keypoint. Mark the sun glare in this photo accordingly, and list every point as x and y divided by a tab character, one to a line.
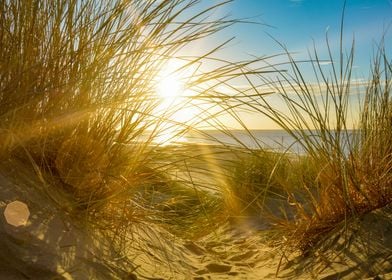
170	87
171	81
176	106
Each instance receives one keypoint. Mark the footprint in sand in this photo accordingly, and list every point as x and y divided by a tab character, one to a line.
194	248
243	256
218	268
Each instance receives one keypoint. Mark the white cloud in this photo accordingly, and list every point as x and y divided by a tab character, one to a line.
323	63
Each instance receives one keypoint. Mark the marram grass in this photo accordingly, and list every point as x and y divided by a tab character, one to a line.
78	107
345	169
78	128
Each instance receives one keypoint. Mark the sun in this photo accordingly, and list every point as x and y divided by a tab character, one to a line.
172	91
170	87
176	103
171	81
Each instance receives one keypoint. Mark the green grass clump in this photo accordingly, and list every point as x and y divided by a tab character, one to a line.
259	176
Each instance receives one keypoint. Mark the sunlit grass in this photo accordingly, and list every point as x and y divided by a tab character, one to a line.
345	171
86	93
97	102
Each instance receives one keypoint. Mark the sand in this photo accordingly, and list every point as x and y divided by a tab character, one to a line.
50	246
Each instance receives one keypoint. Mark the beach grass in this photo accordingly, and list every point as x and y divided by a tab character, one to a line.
344	169
79	144
78	108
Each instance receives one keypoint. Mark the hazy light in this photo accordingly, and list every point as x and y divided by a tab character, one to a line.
17	213
170	87
169	136
177	105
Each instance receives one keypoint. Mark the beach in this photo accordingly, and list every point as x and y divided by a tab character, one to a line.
242	248
187	139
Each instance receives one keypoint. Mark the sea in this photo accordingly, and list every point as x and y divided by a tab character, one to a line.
276	140
253	139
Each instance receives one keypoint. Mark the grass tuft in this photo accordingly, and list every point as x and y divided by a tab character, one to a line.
344	171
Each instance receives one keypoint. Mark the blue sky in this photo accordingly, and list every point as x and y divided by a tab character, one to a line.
297	23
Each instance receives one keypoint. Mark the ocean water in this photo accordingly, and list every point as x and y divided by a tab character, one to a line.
278	140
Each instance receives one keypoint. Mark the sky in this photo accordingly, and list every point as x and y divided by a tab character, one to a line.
302	24
299	23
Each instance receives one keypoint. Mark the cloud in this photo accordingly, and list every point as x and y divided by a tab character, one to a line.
325	62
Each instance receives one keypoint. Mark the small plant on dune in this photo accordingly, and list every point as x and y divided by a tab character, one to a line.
258	176
375	152
266	183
